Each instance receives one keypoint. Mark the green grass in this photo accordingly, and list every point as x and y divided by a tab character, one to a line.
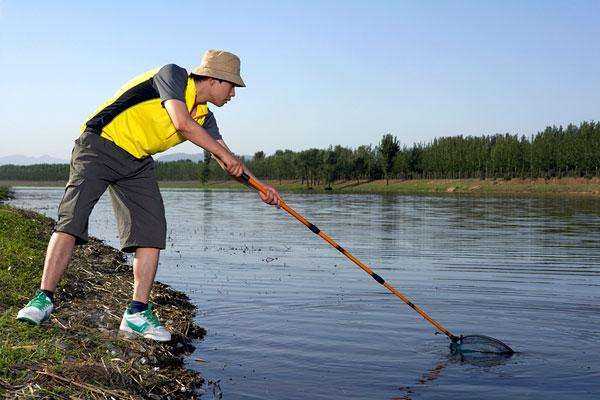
26	345
5	193
22	245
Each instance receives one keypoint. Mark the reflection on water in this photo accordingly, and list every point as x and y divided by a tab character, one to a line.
289	317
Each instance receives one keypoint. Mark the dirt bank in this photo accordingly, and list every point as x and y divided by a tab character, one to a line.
78	353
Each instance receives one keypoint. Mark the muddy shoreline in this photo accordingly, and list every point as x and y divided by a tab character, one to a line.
83	353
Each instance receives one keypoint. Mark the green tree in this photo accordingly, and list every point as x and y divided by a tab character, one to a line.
388	149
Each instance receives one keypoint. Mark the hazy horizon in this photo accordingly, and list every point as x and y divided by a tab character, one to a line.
317	75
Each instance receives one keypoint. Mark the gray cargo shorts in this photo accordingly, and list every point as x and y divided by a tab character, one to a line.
98	164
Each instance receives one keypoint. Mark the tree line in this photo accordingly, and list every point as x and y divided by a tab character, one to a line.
573	151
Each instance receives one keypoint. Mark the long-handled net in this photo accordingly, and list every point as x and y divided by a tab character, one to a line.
480	344
464	344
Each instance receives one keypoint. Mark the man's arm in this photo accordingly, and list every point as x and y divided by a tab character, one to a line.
192	131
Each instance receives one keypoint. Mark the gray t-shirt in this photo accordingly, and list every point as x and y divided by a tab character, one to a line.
170	82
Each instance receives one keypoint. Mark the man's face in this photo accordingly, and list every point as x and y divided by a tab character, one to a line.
221	92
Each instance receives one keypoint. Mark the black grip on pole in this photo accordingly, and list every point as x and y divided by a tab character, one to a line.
379	279
245	177
314	229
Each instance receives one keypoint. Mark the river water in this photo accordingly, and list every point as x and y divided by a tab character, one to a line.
288	317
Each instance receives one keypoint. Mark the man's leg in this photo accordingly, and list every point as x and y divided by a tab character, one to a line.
89	176
139	319
145	263
140	215
58	256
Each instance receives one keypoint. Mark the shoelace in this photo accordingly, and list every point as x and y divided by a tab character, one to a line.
151	317
39	301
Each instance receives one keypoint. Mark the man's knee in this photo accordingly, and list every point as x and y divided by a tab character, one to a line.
64	237
62	243
147	252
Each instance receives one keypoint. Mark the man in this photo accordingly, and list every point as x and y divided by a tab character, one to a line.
151	113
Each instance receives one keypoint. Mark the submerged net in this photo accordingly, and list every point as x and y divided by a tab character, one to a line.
480	344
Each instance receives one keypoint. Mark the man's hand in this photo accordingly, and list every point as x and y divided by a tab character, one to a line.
271	197
233	165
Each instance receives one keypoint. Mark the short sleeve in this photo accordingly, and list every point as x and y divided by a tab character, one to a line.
170	82
210	125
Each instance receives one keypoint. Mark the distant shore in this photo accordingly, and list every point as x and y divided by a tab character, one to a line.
555	186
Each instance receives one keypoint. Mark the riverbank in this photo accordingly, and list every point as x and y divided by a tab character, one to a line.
526	187
519	187
78	354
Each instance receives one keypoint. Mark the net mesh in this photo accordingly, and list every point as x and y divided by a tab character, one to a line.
480	344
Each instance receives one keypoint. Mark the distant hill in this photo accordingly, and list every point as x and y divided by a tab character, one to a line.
17	159
186	156
181	156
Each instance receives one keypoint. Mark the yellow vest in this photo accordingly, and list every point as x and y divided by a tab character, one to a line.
135	120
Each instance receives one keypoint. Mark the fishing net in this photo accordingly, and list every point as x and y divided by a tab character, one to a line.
480	344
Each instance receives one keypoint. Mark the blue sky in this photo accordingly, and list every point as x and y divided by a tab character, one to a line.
318	72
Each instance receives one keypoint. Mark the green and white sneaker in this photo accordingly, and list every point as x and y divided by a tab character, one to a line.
37	310
144	324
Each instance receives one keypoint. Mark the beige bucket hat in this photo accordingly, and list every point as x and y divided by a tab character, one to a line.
221	65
